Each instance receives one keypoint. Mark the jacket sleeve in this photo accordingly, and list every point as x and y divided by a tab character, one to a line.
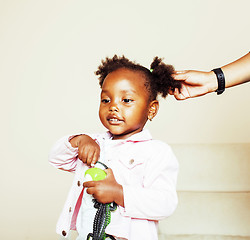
157	198
63	156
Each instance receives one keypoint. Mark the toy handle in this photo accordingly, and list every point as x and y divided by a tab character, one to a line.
104	165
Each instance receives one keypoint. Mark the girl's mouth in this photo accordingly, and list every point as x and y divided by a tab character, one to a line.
114	120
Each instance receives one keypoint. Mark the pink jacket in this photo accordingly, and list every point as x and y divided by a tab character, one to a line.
147	169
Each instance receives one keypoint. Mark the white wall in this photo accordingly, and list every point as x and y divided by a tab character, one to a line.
48	52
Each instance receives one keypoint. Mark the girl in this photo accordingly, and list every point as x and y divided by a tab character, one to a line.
142	173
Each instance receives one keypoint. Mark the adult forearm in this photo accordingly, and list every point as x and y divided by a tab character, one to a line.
237	72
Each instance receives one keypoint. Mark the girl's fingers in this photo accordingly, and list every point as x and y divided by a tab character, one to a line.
89	154
90	191
82	156
109	172
89	184
90	157
95	158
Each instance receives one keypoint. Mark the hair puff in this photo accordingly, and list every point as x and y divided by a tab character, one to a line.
163	81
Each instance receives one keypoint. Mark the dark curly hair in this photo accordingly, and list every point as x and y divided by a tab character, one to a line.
158	79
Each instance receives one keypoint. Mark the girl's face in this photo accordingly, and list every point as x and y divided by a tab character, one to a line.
124	107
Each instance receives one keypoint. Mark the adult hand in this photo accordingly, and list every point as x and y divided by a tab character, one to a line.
88	149
197	83
107	190
194	84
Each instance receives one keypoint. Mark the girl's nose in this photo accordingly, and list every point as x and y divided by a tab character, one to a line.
113	108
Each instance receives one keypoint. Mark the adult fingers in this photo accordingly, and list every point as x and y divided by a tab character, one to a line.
171	92
180	95
180	75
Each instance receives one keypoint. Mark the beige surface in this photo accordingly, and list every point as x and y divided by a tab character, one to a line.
210	214
213	167
201	237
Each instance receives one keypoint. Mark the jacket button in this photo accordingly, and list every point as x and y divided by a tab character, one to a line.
64	233
70	209
131	161
78	183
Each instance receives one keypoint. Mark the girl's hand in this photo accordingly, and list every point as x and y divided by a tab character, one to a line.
88	149
194	84
107	190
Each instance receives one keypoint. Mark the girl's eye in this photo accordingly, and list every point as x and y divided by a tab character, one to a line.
126	100
105	100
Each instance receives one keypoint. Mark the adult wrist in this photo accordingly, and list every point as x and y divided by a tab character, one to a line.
220	79
212	82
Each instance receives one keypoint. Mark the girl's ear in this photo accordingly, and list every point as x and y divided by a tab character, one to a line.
153	109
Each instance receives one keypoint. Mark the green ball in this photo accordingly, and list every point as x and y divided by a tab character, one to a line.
96	174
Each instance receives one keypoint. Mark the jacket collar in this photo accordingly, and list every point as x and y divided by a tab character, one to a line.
142	136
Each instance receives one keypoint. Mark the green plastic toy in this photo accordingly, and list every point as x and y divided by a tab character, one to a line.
96	174
103	213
